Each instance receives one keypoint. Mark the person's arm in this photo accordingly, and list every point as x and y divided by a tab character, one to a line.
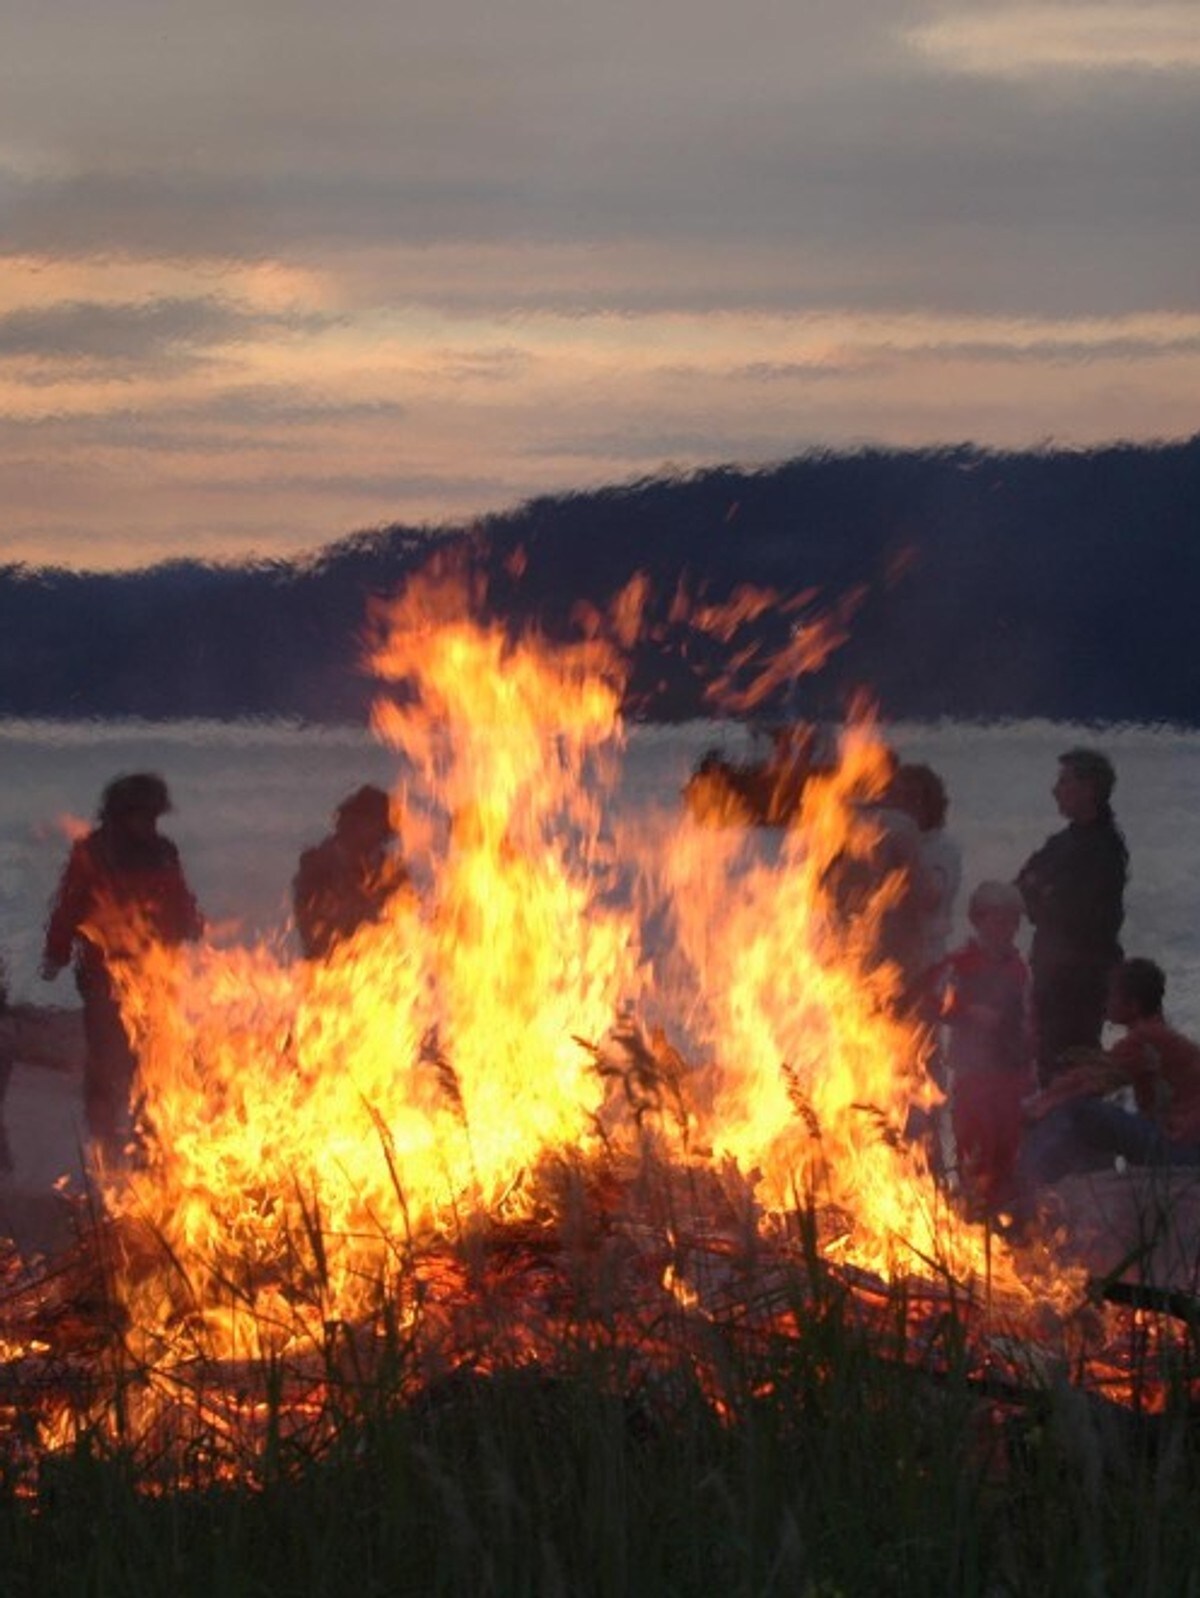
932	885
1093	1076
183	918
1028	1029
67	911
313	903
1103	907
1035	879
959	1005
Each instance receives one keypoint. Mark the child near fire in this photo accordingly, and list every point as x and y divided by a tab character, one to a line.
985	1007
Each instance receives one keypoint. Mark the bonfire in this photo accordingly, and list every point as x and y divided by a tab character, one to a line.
609	1081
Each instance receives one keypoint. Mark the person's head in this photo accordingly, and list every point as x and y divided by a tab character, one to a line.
1136	990
1085	783
132	804
364	818
994	911
921	793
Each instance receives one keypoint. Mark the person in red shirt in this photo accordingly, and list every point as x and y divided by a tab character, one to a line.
985	1009
122	888
1075	1125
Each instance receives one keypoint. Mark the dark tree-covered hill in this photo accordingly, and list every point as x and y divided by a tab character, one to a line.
1053	583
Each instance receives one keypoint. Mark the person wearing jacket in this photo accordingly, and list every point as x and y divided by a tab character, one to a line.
345	881
1073	889
123	888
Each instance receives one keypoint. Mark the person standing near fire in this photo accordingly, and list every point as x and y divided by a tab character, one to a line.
123	887
345	881
1073	889
6	1067
984	988
937	875
934	879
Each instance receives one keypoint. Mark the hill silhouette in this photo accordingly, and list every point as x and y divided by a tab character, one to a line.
1047	583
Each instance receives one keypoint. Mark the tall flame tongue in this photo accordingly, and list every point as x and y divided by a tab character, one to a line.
814	1078
522	957
423	1070
313	1120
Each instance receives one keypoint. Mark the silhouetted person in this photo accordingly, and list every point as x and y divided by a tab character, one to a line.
921	794
123	888
346	880
1074	893
6	1066
985	1005
883	849
1076	1125
927	911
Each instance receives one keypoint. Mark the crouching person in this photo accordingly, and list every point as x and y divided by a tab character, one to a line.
1075	1127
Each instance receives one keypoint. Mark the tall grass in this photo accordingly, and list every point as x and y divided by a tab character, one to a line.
818	1462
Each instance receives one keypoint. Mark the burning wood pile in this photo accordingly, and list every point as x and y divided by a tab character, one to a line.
508	1125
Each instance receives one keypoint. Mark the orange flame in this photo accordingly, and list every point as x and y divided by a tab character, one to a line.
304	1123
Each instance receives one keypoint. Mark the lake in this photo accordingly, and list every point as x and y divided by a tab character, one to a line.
248	797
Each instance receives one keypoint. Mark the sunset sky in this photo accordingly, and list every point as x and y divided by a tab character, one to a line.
274	273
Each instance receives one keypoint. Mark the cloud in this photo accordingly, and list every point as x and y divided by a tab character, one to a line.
917	190
846	142
1012	41
1011	346
639	445
230	423
395	488
265	261
129	337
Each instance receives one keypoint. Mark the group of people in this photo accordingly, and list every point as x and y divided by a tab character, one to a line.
124	886
1017	1043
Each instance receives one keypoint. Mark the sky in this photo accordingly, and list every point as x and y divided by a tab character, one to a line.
274	273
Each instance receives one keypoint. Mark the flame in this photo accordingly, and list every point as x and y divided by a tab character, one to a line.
813	1071
66	825
306	1127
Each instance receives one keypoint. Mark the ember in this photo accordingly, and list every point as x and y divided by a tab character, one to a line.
509	1121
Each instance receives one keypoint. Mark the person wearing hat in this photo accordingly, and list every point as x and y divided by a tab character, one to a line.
345	881
123	887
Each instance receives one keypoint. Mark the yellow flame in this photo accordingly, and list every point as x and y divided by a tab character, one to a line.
304	1123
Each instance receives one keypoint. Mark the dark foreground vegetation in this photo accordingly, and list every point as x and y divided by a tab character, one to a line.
831	1461
1055	583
